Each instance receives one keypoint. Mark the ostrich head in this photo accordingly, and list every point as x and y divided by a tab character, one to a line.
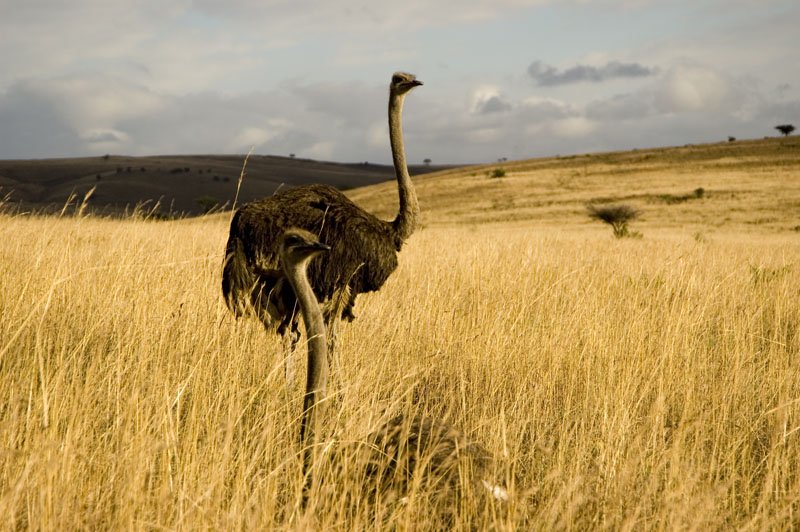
298	246
402	82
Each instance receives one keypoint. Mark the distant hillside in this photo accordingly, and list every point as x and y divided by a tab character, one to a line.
749	185
181	184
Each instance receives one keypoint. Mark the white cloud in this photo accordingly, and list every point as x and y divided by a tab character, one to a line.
377	134
250	137
259	137
359	17
321	150
90	103
48	36
487	100
484	135
545	109
621	107
687	88
105	136
573	127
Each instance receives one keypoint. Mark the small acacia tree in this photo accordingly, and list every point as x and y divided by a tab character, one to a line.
617	216
786	129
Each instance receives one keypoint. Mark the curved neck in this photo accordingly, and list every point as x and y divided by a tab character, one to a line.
406	218
317	375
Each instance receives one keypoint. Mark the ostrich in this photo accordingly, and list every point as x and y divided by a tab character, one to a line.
296	248
404	447
363	248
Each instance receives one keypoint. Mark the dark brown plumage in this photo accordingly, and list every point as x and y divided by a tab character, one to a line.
363	248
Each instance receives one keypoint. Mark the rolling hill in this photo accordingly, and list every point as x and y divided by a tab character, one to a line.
751	185
182	184
748	185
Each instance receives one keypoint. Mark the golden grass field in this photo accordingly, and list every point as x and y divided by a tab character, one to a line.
646	383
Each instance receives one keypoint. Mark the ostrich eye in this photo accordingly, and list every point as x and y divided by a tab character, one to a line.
397	79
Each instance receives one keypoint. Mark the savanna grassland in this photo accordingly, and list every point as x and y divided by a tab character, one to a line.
636	383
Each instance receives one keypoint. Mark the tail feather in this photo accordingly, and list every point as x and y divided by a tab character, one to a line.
248	288
238	280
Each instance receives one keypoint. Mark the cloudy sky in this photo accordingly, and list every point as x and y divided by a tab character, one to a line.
503	78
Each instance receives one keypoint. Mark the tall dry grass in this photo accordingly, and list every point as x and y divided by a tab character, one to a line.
619	384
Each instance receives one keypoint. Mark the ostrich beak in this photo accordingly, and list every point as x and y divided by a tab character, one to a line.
319	246
416	83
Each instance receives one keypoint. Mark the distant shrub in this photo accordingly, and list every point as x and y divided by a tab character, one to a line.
671	199
207	203
497	173
216	178
785	129
226	179
143	169
731	139
98	177
617	216
176	171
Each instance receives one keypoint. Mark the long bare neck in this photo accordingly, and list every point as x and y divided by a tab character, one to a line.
317	375
406	219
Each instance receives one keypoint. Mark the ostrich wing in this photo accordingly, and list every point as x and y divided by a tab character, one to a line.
363	248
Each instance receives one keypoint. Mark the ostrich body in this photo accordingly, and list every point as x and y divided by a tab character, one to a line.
404	447
363	248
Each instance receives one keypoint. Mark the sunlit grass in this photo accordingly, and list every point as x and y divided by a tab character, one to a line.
619	383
